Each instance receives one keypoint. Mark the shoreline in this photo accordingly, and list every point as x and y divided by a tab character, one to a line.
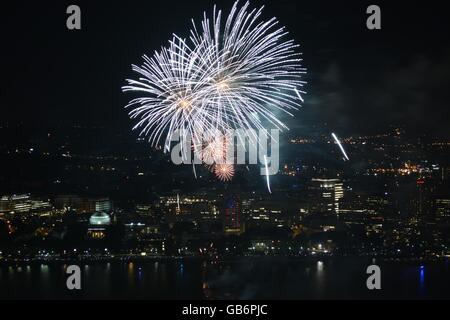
139	259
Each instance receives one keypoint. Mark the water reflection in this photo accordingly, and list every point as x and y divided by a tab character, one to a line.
320	278
240	278
422	279
319	267
130	273
181	269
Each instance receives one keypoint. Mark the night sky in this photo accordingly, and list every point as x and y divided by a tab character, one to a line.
358	80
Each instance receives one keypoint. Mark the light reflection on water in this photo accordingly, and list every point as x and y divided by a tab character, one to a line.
422	280
242	278
422	276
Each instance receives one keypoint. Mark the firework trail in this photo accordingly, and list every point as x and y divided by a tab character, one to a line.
340	146
267	174
231	73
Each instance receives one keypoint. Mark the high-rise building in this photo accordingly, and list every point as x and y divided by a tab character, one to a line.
442	206
425	189
233	216
326	195
102	205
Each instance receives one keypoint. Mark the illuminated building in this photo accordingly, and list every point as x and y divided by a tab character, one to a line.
144	209
442	206
423	200
22	204
99	222
68	201
267	214
15	203
103	204
180	205
328	193
83	204
210	212
100	218
134	229
4	205
232	216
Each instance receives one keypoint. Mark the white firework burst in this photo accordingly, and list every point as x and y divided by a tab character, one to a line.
172	94
231	75
215	148
252	71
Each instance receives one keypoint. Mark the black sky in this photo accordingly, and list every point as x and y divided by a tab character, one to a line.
358	80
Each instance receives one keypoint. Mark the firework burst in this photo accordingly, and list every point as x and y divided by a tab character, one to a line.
215	149
230	75
224	171
252	71
172	95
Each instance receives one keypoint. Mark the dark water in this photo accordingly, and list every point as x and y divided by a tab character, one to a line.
246	278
